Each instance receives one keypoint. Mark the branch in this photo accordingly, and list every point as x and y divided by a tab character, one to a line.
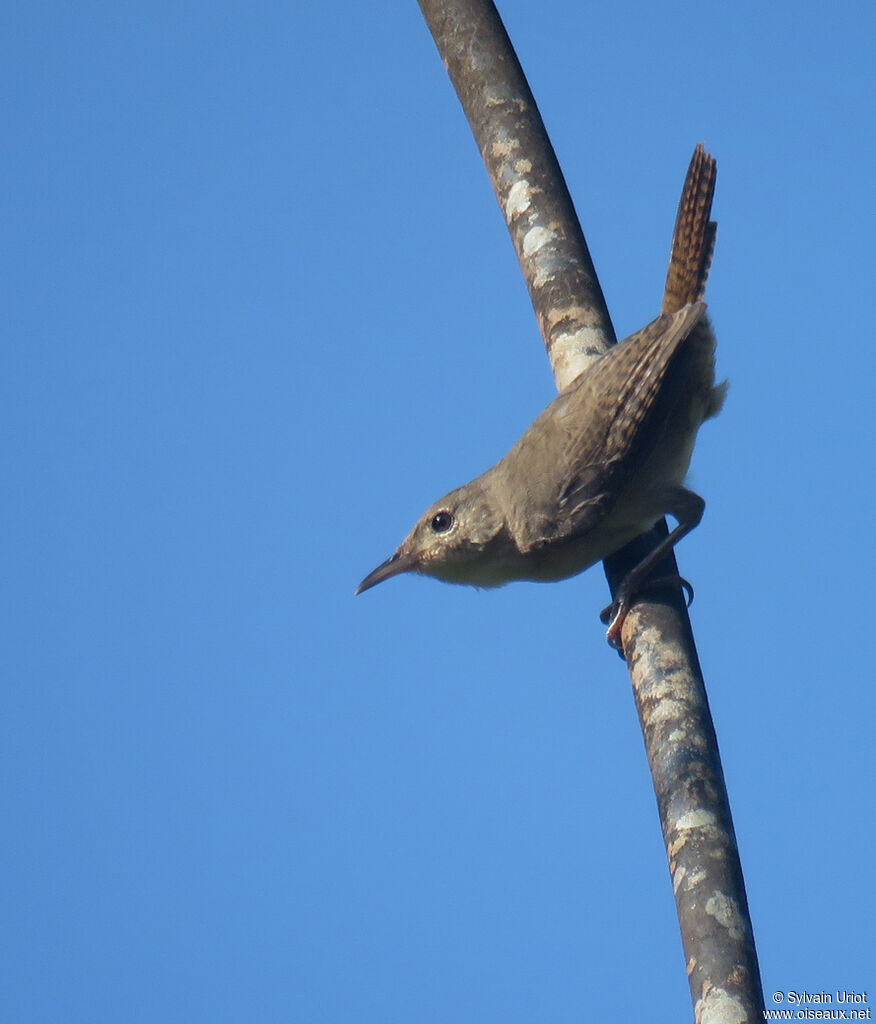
527	180
664	669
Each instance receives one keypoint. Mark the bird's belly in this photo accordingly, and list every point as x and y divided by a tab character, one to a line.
567	558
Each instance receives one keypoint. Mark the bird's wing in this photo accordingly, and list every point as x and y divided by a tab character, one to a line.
591	430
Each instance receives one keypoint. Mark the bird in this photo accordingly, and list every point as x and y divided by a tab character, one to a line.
605	460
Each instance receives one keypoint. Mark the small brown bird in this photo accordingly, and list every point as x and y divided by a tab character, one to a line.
605	460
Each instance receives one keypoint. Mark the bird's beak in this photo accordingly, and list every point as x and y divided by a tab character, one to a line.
398	563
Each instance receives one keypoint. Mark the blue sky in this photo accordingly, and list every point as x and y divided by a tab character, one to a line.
261	311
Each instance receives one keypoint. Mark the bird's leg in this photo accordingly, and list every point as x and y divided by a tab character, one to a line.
687	508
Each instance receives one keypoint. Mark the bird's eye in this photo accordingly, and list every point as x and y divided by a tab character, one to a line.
441	522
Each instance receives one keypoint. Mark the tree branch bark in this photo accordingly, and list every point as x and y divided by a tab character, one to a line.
528	183
664	669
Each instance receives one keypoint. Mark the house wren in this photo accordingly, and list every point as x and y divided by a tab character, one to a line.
604	461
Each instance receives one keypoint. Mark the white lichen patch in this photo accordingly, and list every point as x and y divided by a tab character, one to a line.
536	238
719	1007
519	199
687	879
724	910
572	354
696	818
666	710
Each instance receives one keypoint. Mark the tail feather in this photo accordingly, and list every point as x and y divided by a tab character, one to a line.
693	240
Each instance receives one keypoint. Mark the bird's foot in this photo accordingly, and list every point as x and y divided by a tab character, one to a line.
615	614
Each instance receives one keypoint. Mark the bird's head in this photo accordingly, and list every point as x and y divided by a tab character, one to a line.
456	540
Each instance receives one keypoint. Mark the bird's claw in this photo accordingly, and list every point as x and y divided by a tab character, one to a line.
615	614
672	581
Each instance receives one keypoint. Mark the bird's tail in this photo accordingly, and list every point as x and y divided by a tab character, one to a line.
693	240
